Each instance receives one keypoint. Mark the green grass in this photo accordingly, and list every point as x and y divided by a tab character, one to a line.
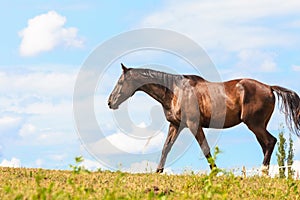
22	183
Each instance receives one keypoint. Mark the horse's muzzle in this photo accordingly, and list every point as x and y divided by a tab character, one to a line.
111	106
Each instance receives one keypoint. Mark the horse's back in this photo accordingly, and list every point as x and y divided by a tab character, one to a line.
219	102
225	104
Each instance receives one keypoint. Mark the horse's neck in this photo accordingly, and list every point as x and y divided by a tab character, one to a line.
160	93
159	85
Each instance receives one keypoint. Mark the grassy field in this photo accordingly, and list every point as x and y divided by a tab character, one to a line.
22	183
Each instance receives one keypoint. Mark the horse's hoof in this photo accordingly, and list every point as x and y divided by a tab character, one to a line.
265	170
212	166
160	170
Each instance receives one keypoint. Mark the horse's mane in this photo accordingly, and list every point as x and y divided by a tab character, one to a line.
150	73
159	75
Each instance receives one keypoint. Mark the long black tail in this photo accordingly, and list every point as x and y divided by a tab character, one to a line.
290	107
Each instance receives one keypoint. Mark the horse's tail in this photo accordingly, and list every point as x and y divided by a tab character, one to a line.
290	107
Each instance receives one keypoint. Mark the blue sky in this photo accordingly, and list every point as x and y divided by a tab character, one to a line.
44	45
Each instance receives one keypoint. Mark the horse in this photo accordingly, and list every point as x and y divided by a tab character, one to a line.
190	101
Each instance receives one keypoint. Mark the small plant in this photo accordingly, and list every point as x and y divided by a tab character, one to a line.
290	158
43	191
211	188
281	155
212	161
78	168
284	158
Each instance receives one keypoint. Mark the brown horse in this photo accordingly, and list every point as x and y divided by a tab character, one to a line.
190	101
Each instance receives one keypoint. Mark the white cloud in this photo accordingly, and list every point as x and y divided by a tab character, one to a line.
296	68
8	126
256	60
45	32
228	24
44	108
120	142
296	167
268	65
27	130
39	163
8	121
32	134
36	106
274	170
42	99
91	165
58	157
252	63
14	162
297	146
38	82
146	166
49	138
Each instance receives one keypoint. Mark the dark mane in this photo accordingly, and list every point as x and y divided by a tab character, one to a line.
166	79
150	73
163	78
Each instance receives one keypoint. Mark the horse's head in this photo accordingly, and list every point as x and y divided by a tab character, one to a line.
124	89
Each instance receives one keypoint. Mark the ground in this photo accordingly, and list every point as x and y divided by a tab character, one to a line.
22	183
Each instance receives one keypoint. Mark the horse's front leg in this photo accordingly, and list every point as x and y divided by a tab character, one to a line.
201	139
171	138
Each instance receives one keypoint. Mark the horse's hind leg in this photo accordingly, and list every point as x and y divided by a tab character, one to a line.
257	123
258	102
267	142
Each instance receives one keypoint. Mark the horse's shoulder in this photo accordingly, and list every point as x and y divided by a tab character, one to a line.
194	77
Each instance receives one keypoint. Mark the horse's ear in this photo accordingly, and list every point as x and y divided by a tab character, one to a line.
124	68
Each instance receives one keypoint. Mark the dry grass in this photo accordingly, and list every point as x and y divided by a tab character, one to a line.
80	184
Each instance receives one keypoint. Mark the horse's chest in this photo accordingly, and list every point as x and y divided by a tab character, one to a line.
177	112
173	116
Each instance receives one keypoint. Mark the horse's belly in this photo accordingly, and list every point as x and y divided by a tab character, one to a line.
221	120
232	121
